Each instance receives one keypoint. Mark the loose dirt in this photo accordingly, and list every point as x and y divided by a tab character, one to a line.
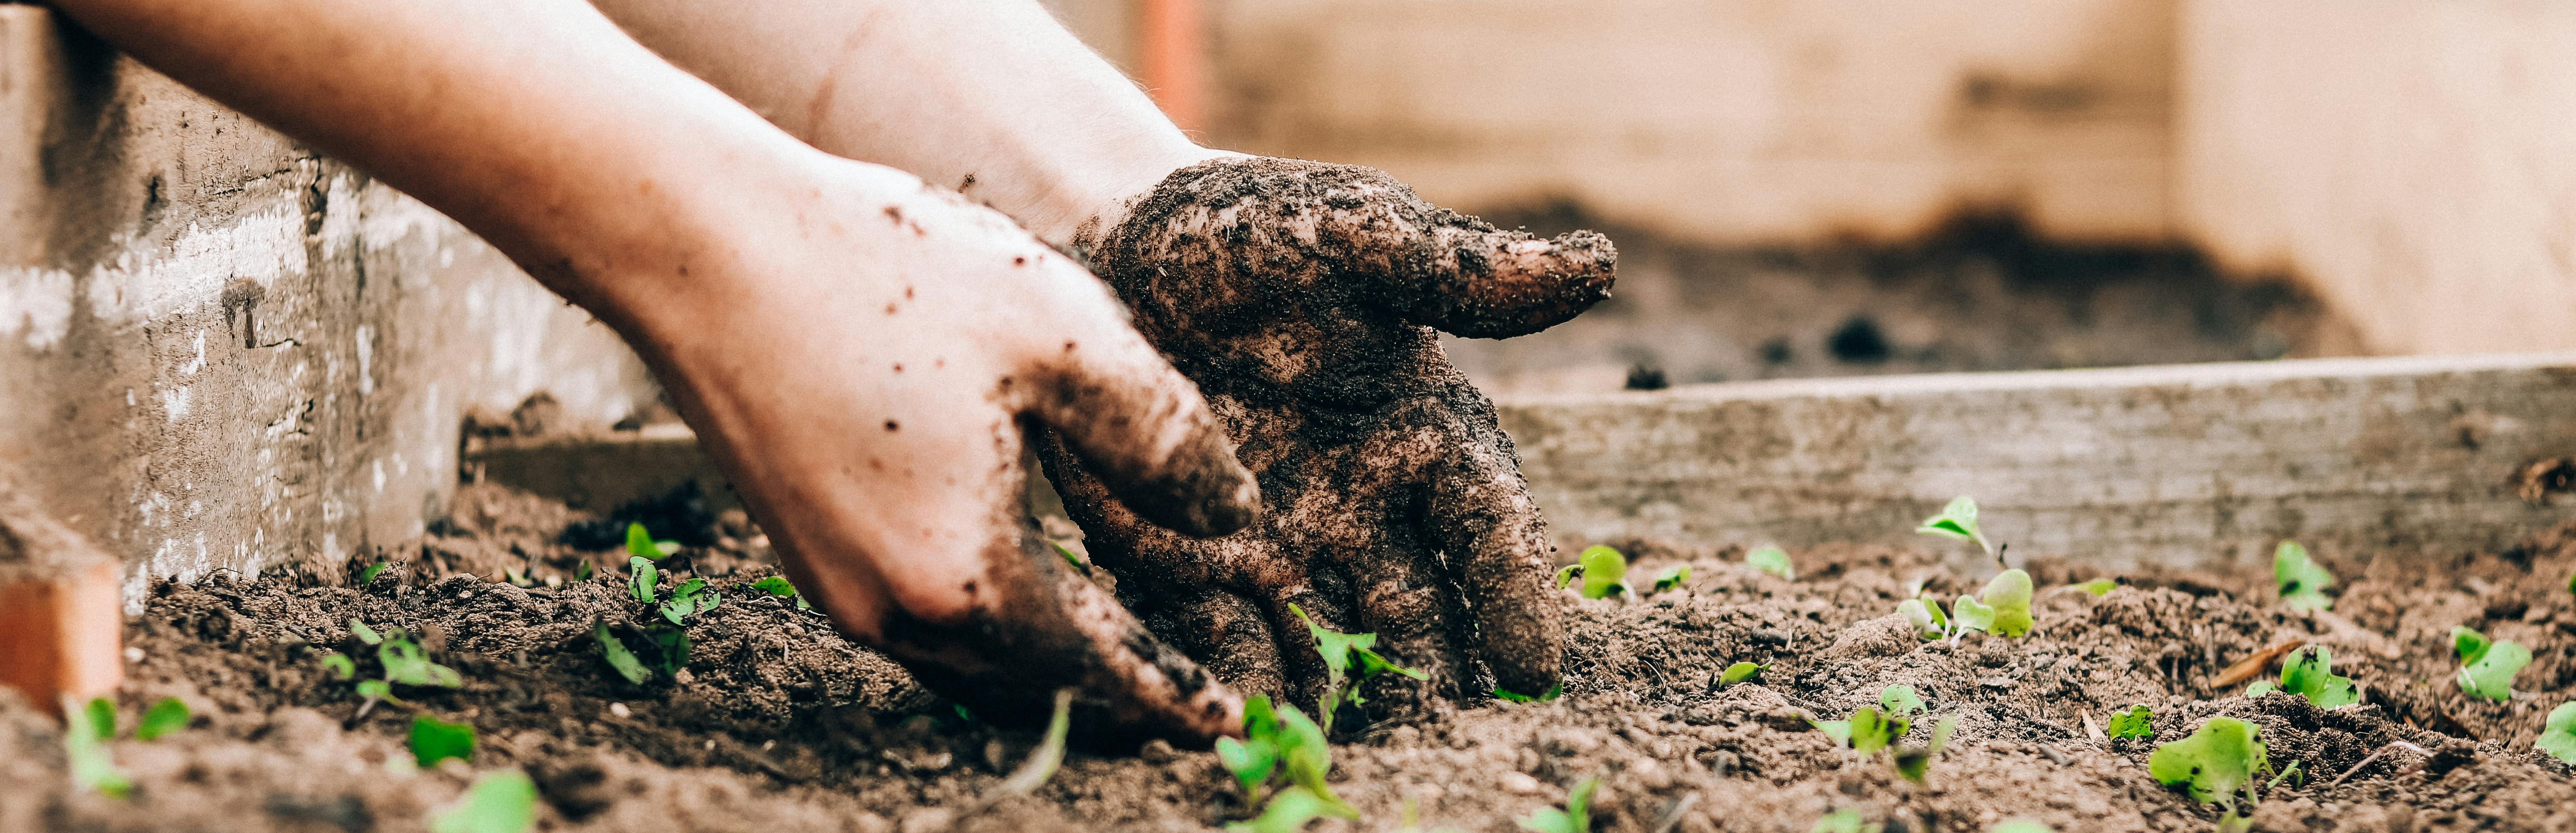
781	725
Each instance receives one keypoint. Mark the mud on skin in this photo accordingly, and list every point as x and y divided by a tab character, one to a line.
783	725
1302	298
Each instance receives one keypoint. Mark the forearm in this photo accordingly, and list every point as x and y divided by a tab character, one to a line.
993	89
536	123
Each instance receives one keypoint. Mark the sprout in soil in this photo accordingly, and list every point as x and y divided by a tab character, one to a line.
504	801
2020	826
1575	818
2558	735
165	716
2003	610
1603	570
1281	742
1671	577
1773	560
86	731
1348	662
1078	564
2487	668
2098	587
1913	762
1959	520
2216	764
1289	812
2310	674
368	575
640	544
1049	755
1549	695
1838	821
1737	673
1926	617
2303	581
1900	700
404	663
434	740
778	586
2136	722
669	634
1868	729
619	658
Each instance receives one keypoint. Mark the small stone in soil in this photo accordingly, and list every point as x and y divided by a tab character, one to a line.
620	710
1519	783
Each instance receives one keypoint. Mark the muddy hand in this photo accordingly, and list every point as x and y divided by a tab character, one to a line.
1302	297
863	354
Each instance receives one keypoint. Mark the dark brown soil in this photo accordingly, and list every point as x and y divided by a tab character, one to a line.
781	725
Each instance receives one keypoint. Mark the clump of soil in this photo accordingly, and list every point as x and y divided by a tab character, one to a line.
782	725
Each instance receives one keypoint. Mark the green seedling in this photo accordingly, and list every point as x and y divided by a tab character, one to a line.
2021	826
434	740
1547	696
1603	570
365	634
2303	581
165	716
1280	741
339	665
2009	596
404	663
583	572
1900	700
1042	763
690	598
2487	668
1959	520
643	581
2558	733
377	690
1838	731
1575	818
618	656
640	544
1968	614
1925	615
1914	762
1773	560
1737	673
2216	764
2294	770
1257	755
2098	587
86	731
2136	722
1078	564
1348	662
1671	577
779	586
1290	811
1838	821
368	575
2310	674
499	802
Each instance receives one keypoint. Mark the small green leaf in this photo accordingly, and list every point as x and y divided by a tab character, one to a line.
618	656
690	598
1291	810
642	579
85	748
433	740
2136	722
584	572
2469	643
1915	762
365	634
1773	560
1069	557
503	801
1251	761
1957	520
1972	615
1900	701
1671	577
779	586
1737	673
1605	572
407	664
368	576
339	665
1839	731
377	690
1838	821
640	544
2009	596
1565	575
101	714
2558	734
2310	673
672	647
1305	755
1922	616
1542	697
1042	763
1575	818
2215	763
2260	688
165	716
2491	676
1872	731
2021	826
2303	581
2098	587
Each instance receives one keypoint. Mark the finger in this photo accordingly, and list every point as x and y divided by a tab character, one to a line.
1405	601
1228	634
1143	429
1481	511
1051	629
1458	273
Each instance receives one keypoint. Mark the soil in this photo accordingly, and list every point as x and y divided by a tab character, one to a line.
782	725
1979	291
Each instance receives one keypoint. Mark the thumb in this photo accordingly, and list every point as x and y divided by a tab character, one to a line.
1143	429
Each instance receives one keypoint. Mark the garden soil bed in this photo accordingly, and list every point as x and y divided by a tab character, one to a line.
781	725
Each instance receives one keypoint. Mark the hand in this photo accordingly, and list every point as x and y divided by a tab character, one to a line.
861	354
1302	297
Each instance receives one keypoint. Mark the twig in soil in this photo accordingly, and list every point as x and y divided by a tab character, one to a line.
2093	730
2253	664
1671	817
2374	755
2053	754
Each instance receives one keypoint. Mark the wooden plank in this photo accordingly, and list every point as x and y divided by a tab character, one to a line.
60	620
